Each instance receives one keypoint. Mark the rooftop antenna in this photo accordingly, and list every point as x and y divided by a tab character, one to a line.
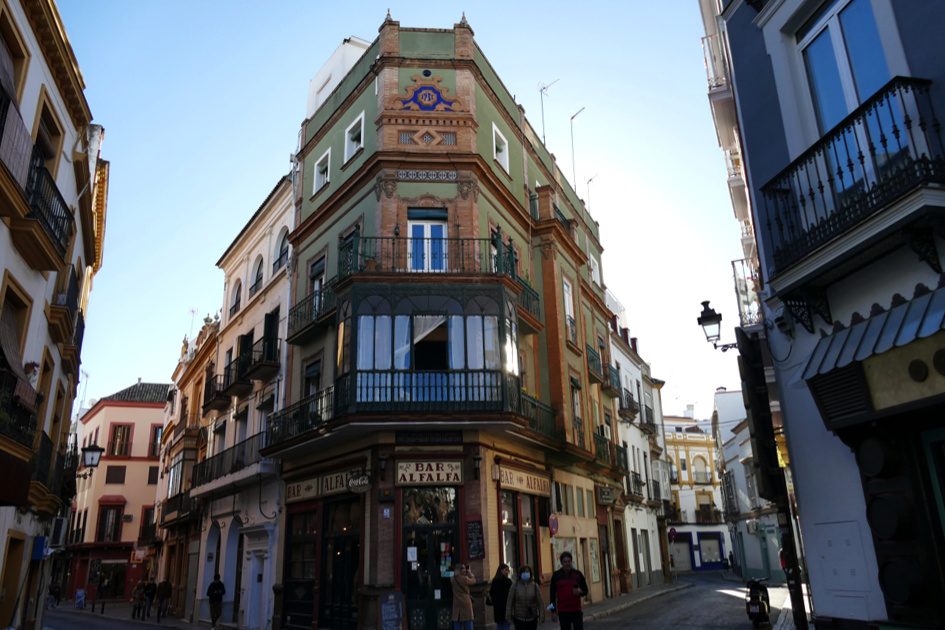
193	314
543	90
589	188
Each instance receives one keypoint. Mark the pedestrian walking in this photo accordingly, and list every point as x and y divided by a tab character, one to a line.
525	606
150	591
56	591
568	589
215	593
163	598
499	596
462	579
137	601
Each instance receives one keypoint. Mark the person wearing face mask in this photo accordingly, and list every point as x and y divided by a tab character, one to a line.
525	607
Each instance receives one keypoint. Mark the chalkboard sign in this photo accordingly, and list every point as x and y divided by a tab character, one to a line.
392	611
474	539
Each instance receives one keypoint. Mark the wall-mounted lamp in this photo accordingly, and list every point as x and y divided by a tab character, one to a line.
396	230
711	323
91	456
477	464
382	467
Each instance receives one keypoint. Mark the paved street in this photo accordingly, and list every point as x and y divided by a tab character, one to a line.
714	603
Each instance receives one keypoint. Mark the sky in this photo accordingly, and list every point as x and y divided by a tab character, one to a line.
202	102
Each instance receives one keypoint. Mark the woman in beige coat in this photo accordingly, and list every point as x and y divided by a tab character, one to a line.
525	606
462	579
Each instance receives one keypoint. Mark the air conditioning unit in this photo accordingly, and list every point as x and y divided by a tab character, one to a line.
752	526
57	537
604	430
127	518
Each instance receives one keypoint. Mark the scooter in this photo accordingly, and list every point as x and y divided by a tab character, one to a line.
756	602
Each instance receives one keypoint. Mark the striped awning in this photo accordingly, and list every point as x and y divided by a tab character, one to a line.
918	318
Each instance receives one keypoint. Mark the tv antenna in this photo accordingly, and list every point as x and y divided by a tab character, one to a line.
543	90
193	315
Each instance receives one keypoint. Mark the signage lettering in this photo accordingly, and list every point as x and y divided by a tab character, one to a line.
430	473
526	482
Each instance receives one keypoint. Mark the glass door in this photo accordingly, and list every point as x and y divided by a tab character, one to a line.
341	562
431	543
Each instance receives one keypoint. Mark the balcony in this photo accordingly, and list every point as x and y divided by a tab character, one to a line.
264	359
17	409
427	391
623	461
44	234
300	418
312	311
655	489
647	423
397	255
886	148
563	220
148	532
213	396
611	384
235	381
629	408
71	350
701	476
529	308
541	417
595	370
636	485
229	461
708	514
280	262
715	66
747	283
61	313
602	450
176	508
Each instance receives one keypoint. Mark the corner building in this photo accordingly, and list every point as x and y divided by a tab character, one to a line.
448	344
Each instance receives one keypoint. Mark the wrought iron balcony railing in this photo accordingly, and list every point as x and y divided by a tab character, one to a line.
17	409
623	461
636	485
213	392
280	262
886	147
613	379
48	207
177	506
310	309
229	461
43	460
708	514
602	449
441	390
529	299
67	291
301	417
594	363
541	416
264	359
79	332
255	287
235	372
648	422
628	404
563	220
655	489
700	476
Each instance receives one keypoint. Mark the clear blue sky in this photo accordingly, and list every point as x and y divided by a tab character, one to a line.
202	103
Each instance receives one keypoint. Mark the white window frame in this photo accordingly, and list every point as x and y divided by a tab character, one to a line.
427	245
320	180
595	270
350	147
500	148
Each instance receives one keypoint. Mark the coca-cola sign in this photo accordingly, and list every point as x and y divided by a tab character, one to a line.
359	483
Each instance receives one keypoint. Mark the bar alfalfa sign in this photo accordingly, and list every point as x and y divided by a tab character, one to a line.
429	473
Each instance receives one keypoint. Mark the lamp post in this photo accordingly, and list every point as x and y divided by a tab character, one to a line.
91	456
711	323
573	167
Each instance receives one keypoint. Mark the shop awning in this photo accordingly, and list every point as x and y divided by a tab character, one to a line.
112	499
917	318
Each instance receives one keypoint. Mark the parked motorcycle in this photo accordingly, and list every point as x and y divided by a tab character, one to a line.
756	602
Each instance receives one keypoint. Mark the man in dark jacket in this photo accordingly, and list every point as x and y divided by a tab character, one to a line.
215	593
150	591
163	597
568	588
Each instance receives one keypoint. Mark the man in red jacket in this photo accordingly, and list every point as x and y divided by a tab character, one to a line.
568	588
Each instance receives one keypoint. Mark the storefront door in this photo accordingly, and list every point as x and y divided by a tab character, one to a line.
431	546
341	560
300	569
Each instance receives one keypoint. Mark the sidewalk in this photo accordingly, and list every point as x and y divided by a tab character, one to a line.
121	609
785	620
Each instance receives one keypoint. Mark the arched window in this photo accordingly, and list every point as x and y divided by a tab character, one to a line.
257	277
235	298
282	252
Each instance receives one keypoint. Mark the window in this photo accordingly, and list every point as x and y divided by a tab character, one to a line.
257	278
510	528
317	283
152	475
109	523
313	377
843	58
119	445
580	504
175	475
427	247
569	310
47	135
322	167
282	252
594	268
15	307
235	298
115	474
154	449
14	55
354	137
500	148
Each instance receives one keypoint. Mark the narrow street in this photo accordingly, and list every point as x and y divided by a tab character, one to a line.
714	603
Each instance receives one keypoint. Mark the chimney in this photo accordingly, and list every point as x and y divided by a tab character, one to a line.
691	412
139	380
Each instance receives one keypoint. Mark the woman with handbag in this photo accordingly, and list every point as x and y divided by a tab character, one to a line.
525	607
499	596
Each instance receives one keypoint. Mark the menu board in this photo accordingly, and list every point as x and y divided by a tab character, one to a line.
392	611
474	543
